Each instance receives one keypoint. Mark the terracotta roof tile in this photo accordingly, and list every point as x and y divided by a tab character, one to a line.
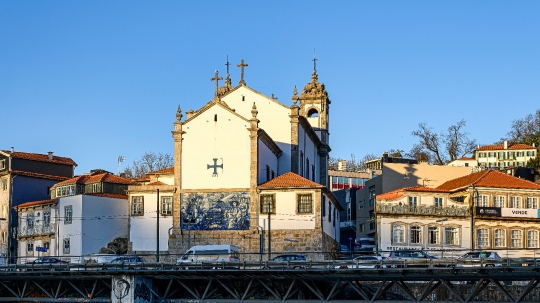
168	170
156	183
36	175
41	157
103	177
488	178
34	203
398	193
501	147
289	179
391	195
115	196
466	159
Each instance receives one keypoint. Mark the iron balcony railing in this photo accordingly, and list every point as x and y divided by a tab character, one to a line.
459	211
37	230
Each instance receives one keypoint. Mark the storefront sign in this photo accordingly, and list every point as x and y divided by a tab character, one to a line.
488	211
520	212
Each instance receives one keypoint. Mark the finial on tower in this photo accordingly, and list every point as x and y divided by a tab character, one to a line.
254	111
178	114
314	62
227	64
295	97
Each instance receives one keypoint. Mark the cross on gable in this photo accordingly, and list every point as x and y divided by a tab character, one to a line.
242	65
215	167
216	78
227	64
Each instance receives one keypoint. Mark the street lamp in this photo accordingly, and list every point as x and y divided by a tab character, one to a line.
350	246
443	234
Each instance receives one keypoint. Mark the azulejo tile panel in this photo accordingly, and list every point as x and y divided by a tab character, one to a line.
215	211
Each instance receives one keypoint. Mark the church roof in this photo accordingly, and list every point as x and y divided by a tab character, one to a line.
288	180
210	105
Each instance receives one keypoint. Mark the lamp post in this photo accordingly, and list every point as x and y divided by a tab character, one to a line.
157	226
443	234
350	246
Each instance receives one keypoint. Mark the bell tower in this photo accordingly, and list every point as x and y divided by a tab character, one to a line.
315	105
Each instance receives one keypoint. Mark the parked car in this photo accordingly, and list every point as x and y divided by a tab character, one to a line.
362	262
290	261
409	258
126	262
479	258
220	253
47	261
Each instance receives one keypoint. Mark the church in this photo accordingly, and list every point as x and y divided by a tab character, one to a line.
253	172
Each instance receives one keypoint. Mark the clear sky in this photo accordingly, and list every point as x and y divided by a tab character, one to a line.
93	80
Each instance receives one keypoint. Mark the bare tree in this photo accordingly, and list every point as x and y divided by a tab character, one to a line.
352	163
526	130
444	147
149	161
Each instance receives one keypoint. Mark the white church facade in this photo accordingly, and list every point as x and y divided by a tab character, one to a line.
249	169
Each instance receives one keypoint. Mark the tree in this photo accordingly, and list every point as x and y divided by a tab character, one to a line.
534	163
444	147
149	161
352	163
526	130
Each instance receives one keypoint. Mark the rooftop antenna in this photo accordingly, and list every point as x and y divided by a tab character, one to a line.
120	160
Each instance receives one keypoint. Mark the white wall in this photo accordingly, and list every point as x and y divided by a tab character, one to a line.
143	229
226	140
266	157
331	227
274	119
286	217
307	147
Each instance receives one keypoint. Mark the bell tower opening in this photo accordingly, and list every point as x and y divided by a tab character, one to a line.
313	113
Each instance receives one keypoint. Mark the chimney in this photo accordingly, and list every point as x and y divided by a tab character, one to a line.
12	150
505	144
190	113
385	157
342	165
534	144
49	154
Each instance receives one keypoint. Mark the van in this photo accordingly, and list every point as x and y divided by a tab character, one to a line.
211	253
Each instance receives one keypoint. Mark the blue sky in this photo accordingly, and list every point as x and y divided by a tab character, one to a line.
93	80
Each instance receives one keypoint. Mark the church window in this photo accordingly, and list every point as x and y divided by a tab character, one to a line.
166	205
273	174
313	113
307	168
268	204
243	98
301	162
304	204
267	172
137	206
313	172
215	118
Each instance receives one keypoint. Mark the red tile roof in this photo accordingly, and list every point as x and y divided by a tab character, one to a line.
466	159
41	157
488	178
34	203
501	147
36	175
106	195
168	170
289	179
156	183
103	177
391	195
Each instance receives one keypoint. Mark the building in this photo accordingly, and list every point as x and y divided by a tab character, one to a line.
504	155
84	215
144	225
347	216
422	218
339	180
506	215
227	155
377	164
26	177
464	161
395	176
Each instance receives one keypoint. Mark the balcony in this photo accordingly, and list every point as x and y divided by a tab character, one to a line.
424	210
347	224
36	230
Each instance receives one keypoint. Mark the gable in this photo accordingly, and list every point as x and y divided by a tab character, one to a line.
215	150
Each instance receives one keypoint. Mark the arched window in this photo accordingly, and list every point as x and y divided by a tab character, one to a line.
532	239
500	237
482	237
312	113
398	233
416	234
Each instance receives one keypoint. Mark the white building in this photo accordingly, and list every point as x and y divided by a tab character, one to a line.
234	143
465	161
504	155
86	214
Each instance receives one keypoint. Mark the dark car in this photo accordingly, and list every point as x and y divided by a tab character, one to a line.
130	262
47	261
291	261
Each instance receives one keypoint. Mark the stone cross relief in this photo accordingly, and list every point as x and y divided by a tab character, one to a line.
215	167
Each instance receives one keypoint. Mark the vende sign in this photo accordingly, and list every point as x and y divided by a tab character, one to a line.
520	212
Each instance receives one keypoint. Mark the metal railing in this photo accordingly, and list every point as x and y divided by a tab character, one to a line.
38	229
460	211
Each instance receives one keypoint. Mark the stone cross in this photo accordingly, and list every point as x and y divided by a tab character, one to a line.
315	63
227	64
242	65
215	166
216	78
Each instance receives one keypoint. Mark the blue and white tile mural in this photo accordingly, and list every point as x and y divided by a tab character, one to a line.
215	211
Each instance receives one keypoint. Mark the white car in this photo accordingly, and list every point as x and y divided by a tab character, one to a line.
479	259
